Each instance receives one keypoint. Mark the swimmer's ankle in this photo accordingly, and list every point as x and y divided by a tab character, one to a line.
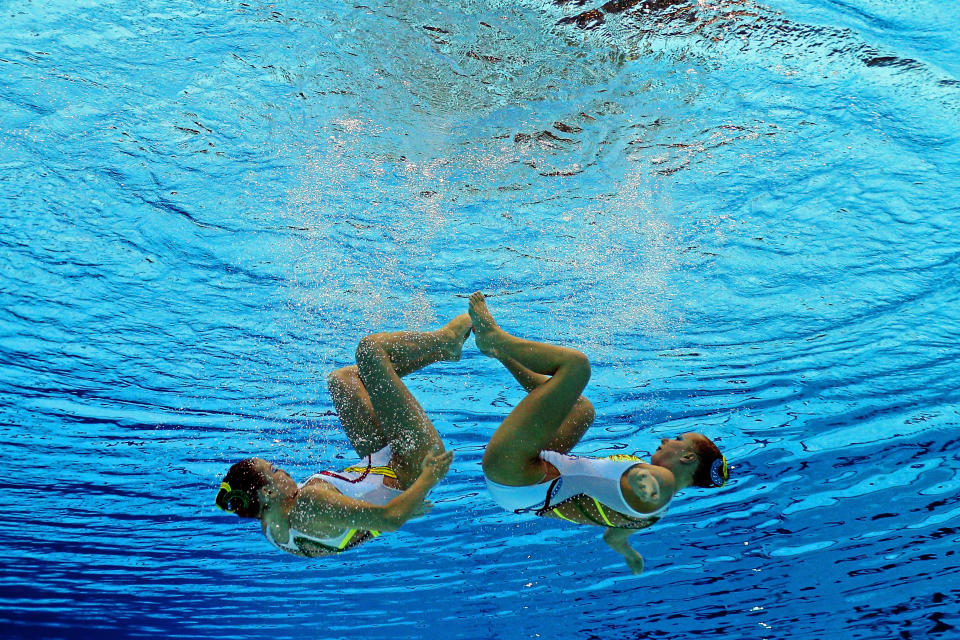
454	334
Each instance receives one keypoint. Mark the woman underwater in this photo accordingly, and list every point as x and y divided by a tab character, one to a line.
526	462
402	456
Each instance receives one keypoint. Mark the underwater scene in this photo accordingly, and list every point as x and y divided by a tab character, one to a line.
747	216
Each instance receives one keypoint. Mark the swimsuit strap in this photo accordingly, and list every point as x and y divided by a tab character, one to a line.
377	471
364	474
353	539
551	490
363	471
356	539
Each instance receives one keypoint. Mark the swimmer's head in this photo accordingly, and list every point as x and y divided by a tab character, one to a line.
712	470
696	453
240	491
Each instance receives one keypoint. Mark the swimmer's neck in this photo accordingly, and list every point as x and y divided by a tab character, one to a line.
681	472
277	504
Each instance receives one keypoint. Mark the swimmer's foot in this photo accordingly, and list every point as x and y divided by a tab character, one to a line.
489	334
456	333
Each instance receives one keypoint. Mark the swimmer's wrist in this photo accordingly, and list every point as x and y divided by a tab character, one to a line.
403	507
426	478
423	483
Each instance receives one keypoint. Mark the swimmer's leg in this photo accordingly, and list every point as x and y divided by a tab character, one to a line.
352	403
374	405
576	423
513	455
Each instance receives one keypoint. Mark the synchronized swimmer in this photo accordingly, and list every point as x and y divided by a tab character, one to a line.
402	456
527	463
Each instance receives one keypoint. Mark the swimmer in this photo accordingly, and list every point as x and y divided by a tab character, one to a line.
527	465
401	454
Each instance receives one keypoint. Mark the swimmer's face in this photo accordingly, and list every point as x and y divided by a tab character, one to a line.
278	480
681	447
643	484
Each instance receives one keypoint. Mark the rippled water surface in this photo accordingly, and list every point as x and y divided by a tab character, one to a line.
746	214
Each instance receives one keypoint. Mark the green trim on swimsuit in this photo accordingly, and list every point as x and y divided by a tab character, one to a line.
587	515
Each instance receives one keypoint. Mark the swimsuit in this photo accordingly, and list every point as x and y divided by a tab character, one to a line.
363	481
596	478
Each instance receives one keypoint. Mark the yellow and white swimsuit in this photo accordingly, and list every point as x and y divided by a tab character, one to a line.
597	478
362	481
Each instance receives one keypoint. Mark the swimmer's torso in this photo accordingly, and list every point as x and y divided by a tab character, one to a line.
586	490
607	504
372	481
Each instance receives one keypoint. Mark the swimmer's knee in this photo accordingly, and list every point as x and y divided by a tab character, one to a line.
585	411
578	365
580	359
369	349
343	379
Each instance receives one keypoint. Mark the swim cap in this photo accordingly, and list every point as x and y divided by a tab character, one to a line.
232	500
719	473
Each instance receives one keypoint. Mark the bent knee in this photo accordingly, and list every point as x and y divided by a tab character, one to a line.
369	349
580	360
343	379
579	366
585	410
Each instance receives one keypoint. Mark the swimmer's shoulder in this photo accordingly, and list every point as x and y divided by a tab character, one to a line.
663	475
316	482
668	488
313	498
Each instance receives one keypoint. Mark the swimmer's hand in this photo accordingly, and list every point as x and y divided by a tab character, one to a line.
413	503
422	509
435	466
635	562
617	539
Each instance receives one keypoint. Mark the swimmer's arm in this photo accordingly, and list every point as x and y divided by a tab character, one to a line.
651	487
617	540
319	506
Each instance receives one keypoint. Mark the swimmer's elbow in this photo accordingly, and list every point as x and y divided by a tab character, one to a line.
390	519
389	526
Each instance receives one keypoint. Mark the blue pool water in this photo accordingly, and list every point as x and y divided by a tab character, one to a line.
746	214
